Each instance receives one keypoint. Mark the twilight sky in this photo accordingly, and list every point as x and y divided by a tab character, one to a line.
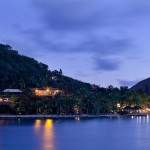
104	42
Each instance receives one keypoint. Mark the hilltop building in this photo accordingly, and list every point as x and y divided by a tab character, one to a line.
46	91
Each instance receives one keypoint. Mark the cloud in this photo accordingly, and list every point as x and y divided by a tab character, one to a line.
88	14
105	64
77	43
127	82
74	26
108	50
69	14
87	26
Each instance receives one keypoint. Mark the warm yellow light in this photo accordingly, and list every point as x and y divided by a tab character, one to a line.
47	90
37	124
118	105
49	123
48	143
36	91
147	109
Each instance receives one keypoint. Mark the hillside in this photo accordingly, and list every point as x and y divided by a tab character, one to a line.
18	71
142	86
24	73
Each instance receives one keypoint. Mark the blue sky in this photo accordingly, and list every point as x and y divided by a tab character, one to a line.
99	42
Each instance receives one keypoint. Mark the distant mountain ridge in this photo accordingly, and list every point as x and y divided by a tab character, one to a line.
142	86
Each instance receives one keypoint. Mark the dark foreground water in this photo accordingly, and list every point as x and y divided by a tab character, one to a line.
79	134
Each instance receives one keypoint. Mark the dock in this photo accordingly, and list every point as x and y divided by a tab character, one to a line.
38	116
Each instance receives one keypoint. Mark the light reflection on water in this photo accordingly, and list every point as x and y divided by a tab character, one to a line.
144	119
130	133
38	124
46	134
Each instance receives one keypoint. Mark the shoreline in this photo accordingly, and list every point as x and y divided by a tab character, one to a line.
70	116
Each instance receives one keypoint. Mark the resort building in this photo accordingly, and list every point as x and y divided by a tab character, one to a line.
46	91
12	91
7	93
4	100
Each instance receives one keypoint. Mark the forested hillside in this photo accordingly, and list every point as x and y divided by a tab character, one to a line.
24	73
18	71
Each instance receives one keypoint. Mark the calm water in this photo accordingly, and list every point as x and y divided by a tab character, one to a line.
83	134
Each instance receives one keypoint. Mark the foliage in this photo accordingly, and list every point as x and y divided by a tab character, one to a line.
18	71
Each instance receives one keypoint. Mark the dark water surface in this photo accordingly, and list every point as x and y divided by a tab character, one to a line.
77	134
